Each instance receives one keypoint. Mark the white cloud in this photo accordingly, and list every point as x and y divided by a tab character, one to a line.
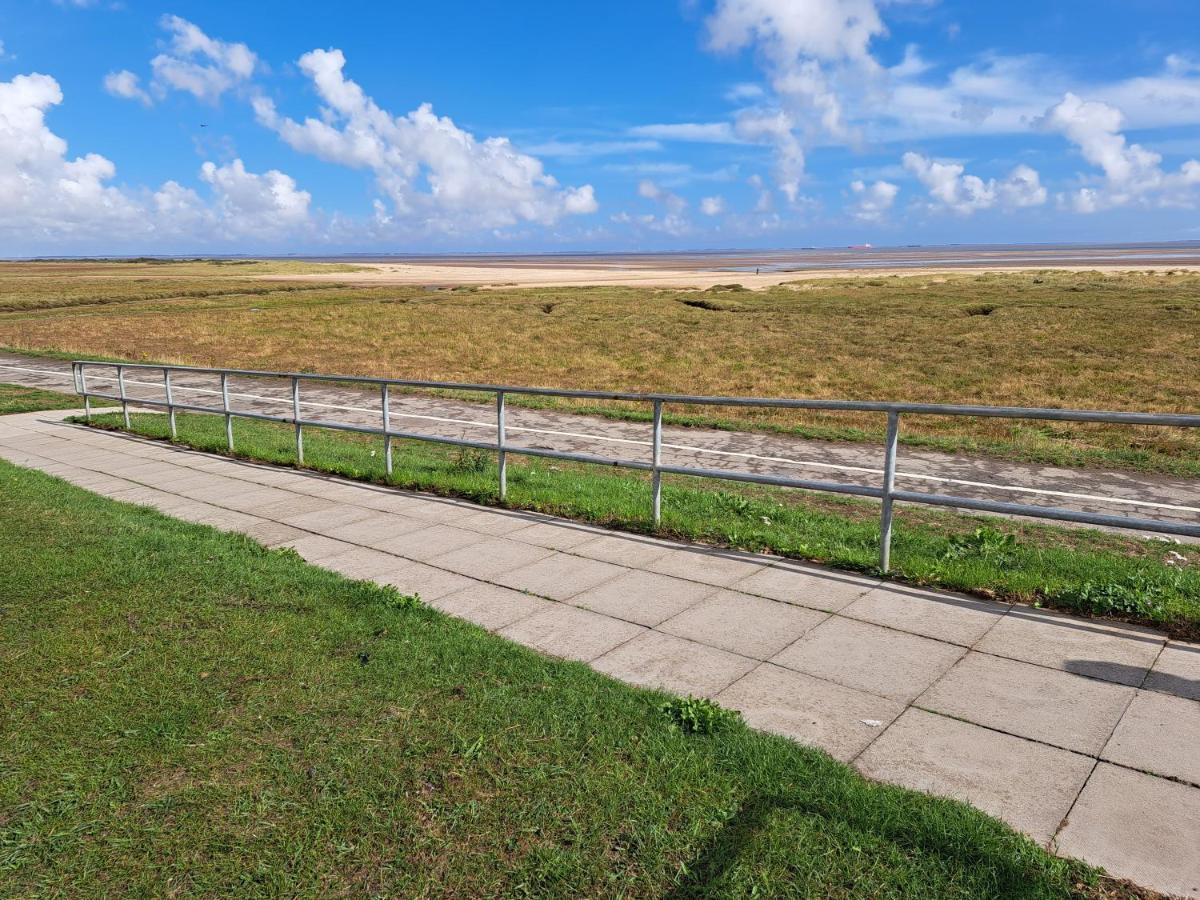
198	64
697	132
651	191
50	199
471	184
712	206
745	90
1132	173
1022	188
873	200
253	204
672	221
951	188
806	47
590	149
762	202
41	189
125	84
777	128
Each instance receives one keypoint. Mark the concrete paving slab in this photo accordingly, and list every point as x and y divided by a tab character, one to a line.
946	617
429	543
215	517
623	550
814	588
839	720
296	505
427	582
489	606
571	633
1159	734
272	534
314	548
744	624
325	520
361	563
1177	671
715	568
669	663
1030	701
1029	785
1110	651
251	498
1138	827
870	658
643	597
376	529
488	557
557	535
560	577
495	522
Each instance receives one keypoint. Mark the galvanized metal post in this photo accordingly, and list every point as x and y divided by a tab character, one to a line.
656	477
87	400
296	419
121	391
501	456
387	426
225	406
889	486
170	403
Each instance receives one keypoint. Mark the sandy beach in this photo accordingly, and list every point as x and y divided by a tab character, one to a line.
751	269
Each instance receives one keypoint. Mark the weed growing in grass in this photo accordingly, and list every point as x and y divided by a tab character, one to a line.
985	543
1140	594
699	715
393	599
471	460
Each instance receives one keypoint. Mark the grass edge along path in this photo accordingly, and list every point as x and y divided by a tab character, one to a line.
1082	571
200	714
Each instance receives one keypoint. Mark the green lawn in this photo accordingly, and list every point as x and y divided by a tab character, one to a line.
184	711
1085	571
16	398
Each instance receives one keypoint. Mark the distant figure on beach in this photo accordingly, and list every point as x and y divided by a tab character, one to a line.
756	270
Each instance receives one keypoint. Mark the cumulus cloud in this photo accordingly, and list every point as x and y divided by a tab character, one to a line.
50	198
873	200
126	85
950	187
471	183
191	62
1132	173
712	206
805	46
198	64
672	220
251	203
41	188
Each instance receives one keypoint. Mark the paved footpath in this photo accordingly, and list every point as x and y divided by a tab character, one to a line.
1083	734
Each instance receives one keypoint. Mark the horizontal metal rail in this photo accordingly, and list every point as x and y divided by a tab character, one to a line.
886	492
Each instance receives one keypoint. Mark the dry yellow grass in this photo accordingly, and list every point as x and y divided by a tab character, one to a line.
1092	340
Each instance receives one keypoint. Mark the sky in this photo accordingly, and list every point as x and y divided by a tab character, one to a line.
134	127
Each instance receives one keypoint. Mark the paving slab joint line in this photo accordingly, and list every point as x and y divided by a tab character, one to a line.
1053	844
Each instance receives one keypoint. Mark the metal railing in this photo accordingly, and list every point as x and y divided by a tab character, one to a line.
886	492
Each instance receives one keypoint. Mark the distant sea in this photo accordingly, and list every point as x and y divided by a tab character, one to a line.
1182	253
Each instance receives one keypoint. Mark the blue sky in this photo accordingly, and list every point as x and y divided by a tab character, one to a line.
251	127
